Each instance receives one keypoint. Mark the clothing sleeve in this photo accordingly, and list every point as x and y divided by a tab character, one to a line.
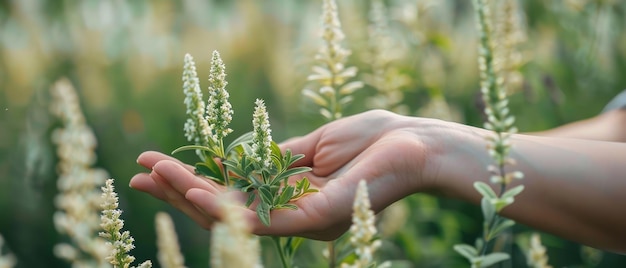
619	102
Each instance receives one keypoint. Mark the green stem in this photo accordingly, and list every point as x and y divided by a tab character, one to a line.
495	218
225	169
331	254
281	252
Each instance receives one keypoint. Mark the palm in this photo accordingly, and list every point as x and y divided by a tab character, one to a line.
340	155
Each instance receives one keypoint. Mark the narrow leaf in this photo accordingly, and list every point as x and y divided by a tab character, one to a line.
263	211
485	190
501	226
513	192
294	159
266	194
286	194
493	258
488	209
276	149
293	244
290	172
211	169
192	147
245	138
287	206
251	198
466	251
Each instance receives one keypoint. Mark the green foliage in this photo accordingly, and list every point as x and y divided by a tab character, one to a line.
127	72
240	171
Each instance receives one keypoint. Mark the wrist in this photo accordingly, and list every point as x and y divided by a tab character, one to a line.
456	158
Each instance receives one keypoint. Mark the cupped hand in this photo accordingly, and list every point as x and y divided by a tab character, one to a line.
379	147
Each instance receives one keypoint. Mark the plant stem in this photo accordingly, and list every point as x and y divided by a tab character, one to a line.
281	252
496	217
225	168
331	254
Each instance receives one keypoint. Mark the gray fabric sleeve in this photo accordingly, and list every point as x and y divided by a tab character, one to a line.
619	102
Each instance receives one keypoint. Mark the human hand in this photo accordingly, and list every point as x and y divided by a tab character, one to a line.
387	150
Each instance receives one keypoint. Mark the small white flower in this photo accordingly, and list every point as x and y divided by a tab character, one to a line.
537	257
262	135
197	128
232	244
120	243
78	182
332	73
6	260
363	229
167	242
219	110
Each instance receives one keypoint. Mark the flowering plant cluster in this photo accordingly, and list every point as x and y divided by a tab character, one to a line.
331	73
501	123
252	163
120	243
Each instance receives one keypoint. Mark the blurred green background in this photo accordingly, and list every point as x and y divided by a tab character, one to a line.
125	60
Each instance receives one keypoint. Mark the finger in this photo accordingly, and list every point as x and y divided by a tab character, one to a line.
177	200
213	205
181	179
143	182
303	145
149	158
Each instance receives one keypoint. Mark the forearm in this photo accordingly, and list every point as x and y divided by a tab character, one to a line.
609	126
574	188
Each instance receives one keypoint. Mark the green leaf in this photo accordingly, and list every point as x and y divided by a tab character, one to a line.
493	258
293	243
499	227
293	171
488	209
501	203
266	194
466	251
290	172
210	169
245	138
193	147
286	194
303	184
251	198
294	159
485	190
242	185
513	192
263	211
287	206
276	149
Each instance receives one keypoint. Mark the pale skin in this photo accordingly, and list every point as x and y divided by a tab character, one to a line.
574	186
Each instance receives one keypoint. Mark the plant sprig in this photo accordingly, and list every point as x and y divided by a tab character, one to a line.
246	175
501	123
252	163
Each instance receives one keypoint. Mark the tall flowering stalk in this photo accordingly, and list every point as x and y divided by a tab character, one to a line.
261	135
169	255
363	230
78	200
120	243
197	128
510	34
207	125
6	260
385	77
219	111
501	123
334	92
232	244
537	257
